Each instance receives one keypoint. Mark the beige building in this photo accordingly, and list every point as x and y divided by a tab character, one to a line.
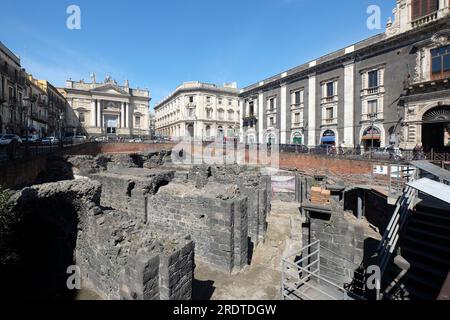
36	101
108	109
199	110
12	92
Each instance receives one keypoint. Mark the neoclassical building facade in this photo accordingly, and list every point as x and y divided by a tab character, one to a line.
201	111
109	109
390	89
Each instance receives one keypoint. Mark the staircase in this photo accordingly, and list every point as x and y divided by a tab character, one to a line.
425	245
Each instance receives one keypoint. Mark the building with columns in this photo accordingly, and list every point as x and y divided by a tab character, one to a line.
109	109
201	111
390	89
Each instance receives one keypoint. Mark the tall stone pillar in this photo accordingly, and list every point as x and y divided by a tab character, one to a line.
99	114
312	111
283	120
260	118
241	120
93	114
349	106
122	115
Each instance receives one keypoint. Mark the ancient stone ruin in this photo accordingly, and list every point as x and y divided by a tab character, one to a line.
134	223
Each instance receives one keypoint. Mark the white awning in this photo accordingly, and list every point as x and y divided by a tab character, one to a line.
432	188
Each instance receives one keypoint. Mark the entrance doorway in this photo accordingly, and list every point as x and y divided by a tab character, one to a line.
435	129
371	138
111	125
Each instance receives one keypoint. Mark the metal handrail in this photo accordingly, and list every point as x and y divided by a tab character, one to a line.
303	274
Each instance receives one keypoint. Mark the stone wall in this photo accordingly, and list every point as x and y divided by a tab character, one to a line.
57	225
128	189
251	183
215	216
122	259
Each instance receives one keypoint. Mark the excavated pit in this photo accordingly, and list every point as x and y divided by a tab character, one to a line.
131	223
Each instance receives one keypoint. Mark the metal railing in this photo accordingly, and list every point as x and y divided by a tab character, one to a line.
304	279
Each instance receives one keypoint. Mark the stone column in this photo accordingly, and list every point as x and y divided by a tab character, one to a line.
241	119
127	115
122	115
93	113
99	114
349	106
260	113
283	120
311	130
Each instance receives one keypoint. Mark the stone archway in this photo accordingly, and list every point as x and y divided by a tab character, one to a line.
435	128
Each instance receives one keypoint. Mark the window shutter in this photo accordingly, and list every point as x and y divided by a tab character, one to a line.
416	9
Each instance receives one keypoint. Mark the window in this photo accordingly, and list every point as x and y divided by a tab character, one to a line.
271	121
422	8
191	112
297	118
373	79
372	107
251	107
230	102
230	115
271	104
297	98
11	94
329	113
208	99
138	122
81	117
220	101
209	113
191	99
330	89
440	61
221	114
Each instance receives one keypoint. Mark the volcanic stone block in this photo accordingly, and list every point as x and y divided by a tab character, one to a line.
215	217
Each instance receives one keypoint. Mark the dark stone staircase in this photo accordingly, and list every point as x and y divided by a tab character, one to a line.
425	245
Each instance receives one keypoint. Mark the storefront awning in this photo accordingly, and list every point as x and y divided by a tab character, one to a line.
371	137
329	139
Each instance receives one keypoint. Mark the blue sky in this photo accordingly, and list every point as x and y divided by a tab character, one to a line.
159	44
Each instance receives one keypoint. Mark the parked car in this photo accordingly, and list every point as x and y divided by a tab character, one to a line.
387	153
6	139
30	139
50	141
100	139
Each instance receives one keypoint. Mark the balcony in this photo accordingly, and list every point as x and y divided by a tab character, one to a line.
250	121
372	91
329	99
372	116
271	111
297	106
297	124
426	19
329	121
39	118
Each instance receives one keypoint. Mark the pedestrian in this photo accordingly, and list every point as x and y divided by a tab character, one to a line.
358	150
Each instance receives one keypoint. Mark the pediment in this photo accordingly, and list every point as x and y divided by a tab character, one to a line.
110	89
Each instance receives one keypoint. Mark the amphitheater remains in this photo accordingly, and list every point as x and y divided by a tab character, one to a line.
135	225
